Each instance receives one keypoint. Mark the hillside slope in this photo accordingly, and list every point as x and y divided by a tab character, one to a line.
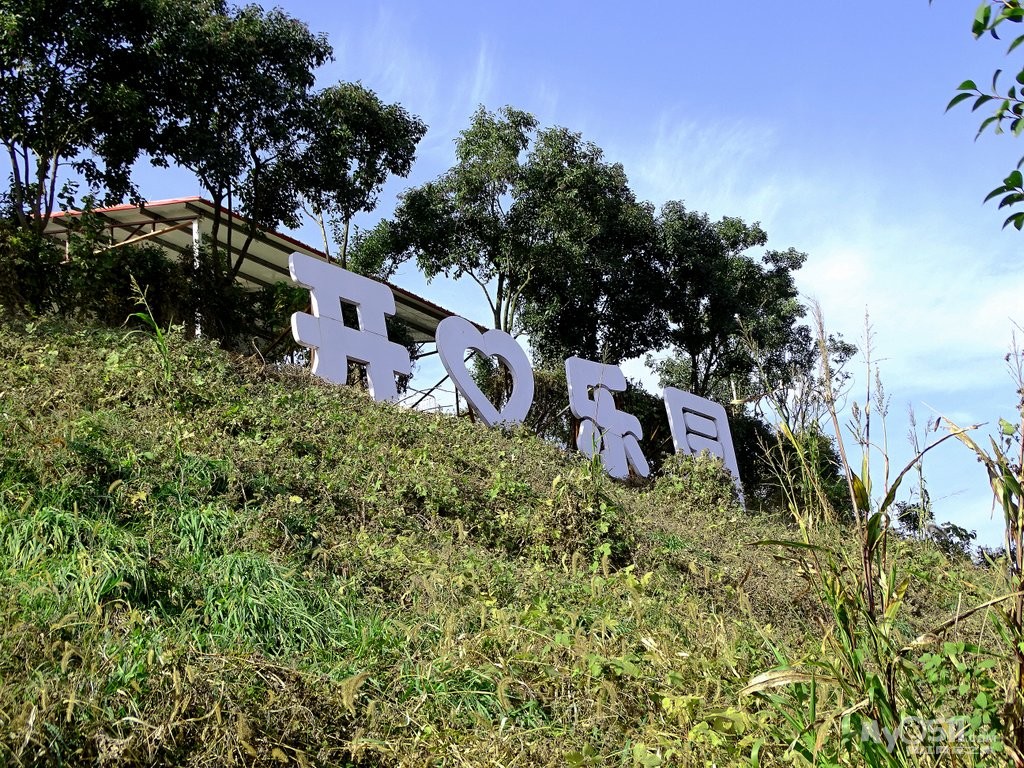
208	562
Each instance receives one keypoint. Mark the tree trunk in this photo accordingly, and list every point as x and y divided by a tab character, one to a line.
499	304
18	188
323	232
218	200
231	227
344	245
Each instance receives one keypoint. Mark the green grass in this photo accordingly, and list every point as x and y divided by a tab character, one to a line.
208	562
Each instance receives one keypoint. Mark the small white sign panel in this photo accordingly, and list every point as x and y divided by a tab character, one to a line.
699	425
456	335
604	429
333	343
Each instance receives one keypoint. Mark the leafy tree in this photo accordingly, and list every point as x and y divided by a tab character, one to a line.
988	557
916	519
1008	102
76	90
814	482
954	540
596	290
31	277
737	336
546	227
353	143
734	319
465	223
239	83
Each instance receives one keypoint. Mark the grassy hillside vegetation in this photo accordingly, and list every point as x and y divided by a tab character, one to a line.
204	561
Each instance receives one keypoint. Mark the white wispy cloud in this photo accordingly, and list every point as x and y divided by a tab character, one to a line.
942	318
476	89
716	168
396	64
940	308
941	299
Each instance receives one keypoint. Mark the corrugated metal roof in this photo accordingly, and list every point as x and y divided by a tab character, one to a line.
168	224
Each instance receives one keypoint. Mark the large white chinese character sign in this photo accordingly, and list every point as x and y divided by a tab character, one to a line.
701	425
333	343
604	429
454	336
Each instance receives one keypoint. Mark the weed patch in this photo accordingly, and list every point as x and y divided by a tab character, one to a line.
208	562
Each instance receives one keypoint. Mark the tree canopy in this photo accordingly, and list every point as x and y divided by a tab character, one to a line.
730	315
352	143
227	92
1008	103
549	230
597	291
241	86
466	223
66	102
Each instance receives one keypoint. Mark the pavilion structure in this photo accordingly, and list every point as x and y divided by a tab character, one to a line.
179	226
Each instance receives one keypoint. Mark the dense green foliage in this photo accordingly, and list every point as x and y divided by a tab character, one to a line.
735	319
65	98
991	18
109	285
204	561
565	252
226	92
546	226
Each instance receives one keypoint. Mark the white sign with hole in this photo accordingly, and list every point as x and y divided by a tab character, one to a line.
455	336
697	424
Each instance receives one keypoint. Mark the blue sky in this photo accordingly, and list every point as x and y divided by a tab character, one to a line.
822	121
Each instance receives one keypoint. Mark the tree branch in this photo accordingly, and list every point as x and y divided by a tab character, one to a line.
502	299
19	192
514	298
487	293
51	195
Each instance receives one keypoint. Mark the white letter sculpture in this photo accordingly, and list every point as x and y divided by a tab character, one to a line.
698	425
454	336
333	343
614	433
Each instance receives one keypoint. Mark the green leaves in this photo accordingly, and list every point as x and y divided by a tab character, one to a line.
982	18
983	99
860	494
1011	192
353	143
957	99
1010	109
65	98
550	231
724	303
